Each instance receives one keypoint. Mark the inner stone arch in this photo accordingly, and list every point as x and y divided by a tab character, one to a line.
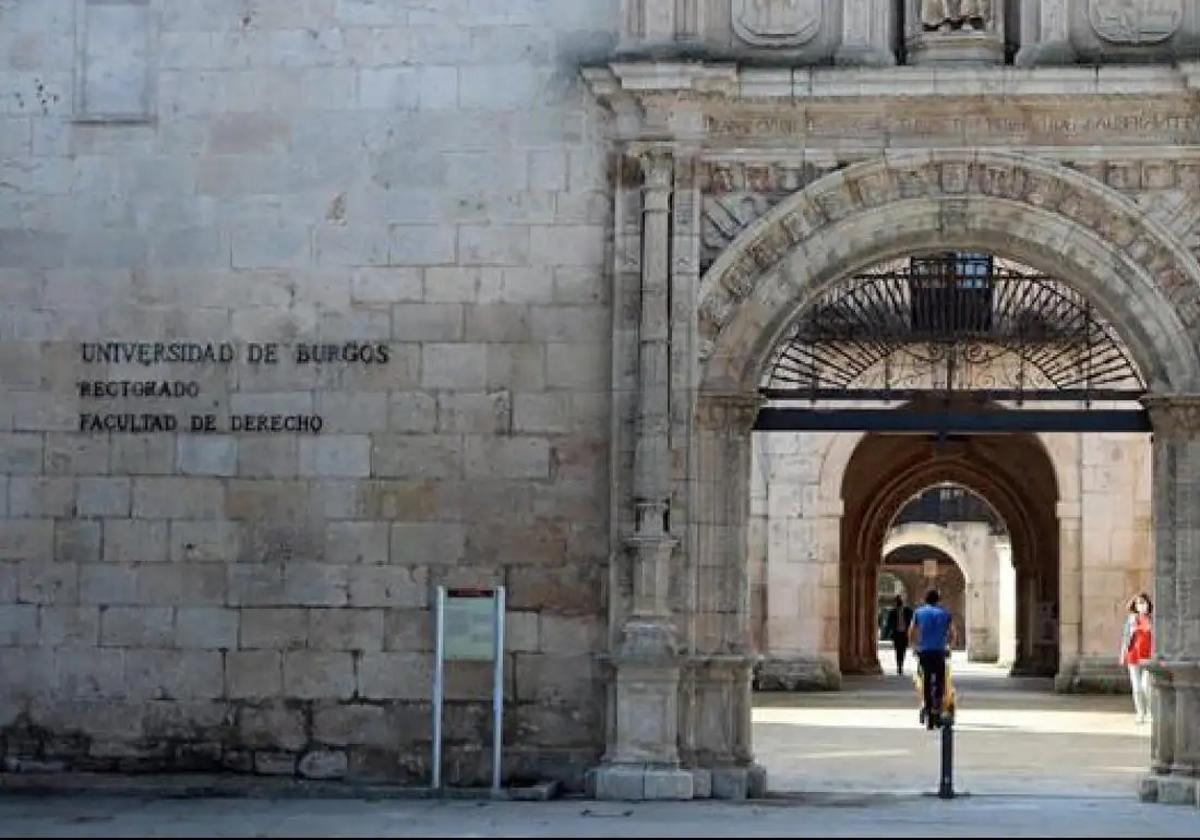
1041	214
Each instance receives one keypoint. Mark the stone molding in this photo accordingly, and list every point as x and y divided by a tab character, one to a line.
728	412
1174	415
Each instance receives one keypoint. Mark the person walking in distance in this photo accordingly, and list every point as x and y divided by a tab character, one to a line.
1137	642
931	635
899	618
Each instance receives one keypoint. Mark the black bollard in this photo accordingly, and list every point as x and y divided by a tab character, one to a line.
946	786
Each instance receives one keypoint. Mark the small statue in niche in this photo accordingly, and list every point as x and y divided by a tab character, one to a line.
950	15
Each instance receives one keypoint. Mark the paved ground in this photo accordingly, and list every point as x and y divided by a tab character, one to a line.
1030	762
1013	737
815	817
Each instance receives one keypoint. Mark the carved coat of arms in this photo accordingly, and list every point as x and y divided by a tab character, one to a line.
777	23
1135	21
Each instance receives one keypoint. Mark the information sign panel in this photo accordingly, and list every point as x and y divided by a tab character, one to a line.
470	626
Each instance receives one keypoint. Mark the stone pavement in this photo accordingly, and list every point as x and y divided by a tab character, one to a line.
1014	736
811	816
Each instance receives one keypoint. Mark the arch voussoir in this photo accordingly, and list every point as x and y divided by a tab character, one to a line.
1054	218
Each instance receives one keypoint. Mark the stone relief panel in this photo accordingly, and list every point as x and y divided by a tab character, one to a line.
772	23
1135	21
734	195
799	32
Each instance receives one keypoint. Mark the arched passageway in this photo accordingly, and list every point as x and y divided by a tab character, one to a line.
1012	472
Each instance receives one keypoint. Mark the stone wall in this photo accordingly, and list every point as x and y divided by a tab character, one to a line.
427	180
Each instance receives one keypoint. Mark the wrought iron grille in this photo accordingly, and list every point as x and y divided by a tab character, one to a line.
953	322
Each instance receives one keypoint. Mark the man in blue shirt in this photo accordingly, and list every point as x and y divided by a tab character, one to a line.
931	635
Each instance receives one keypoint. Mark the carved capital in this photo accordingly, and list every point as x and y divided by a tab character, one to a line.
658	166
732	412
1175	416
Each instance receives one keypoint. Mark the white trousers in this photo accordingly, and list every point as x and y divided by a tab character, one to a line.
1140	678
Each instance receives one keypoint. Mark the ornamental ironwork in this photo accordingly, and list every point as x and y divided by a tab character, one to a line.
952	322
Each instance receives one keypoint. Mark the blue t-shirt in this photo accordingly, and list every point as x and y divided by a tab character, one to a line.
933	624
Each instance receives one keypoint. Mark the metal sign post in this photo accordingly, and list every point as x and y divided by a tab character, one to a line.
470	628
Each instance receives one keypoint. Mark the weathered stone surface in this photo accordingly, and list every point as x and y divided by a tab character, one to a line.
324	764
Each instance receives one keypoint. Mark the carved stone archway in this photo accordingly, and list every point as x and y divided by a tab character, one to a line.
686	561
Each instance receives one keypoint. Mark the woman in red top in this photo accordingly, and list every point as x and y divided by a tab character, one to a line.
1137	645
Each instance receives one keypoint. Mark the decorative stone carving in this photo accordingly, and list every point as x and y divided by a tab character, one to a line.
777	23
1135	21
947	15
1176	416
734	276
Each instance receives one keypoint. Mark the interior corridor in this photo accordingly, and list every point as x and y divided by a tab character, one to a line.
1013	735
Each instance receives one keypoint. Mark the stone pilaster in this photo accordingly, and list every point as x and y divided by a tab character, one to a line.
1176	672
723	662
1045	33
867	27
642	761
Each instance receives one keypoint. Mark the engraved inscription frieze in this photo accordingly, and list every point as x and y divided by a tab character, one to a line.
1135	21
777	23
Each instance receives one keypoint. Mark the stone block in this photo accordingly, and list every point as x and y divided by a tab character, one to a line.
407	456
324	764
730	783
275	629
272	246
253	674
89	674
21	454
348	543
352	724
216	541
521	631
48	583
207	455
542	413
1177	790
572	245
388	586
268	500
386	285
275	763
564	591
335	456
178	498
459	367
141	455
701	783
256	584
315	584
135	541
107	584
412	412
427	544
417	245
346	629
570	681
396	676
489	413
212	628
272	726
498	322
577	366
26	539
18	624
174	674
357	413
70	626
41	497
311	675
493	244
569	635
103	496
269	458
428	322
137	627
502	457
